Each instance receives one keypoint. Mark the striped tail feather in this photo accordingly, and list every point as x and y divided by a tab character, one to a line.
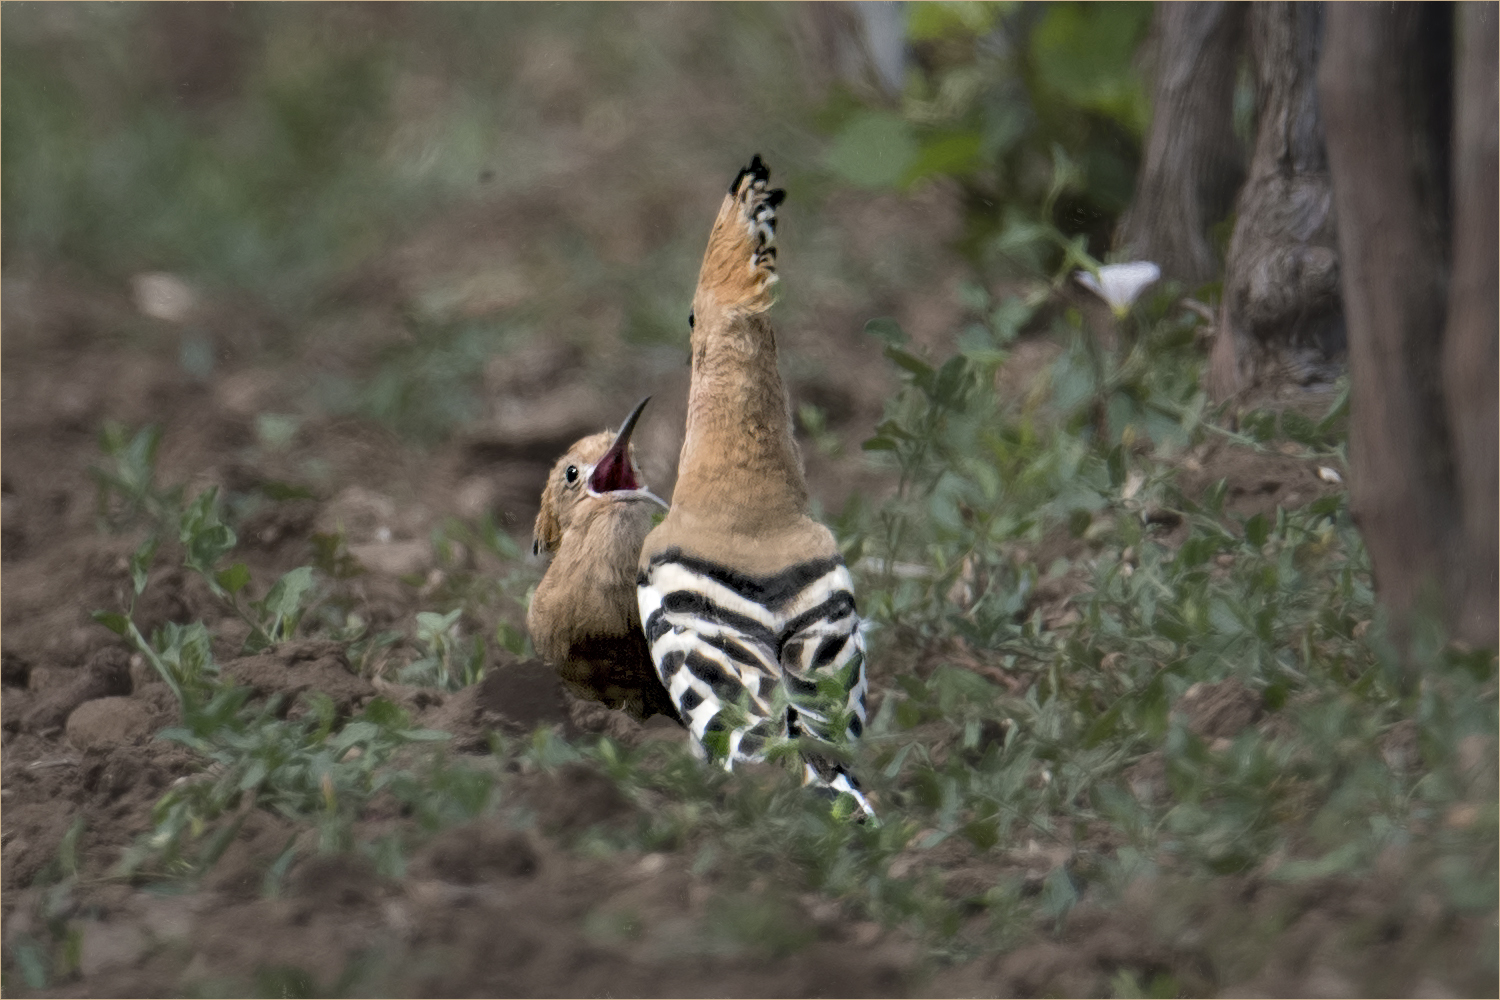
750	659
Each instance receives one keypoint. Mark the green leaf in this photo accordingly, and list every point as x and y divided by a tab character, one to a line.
1337	412
115	622
978	345
510	638
894	767
1257	530
270	885
282	607
1058	893
358	731
31	960
1259	424
432	628
424	735
909	361
205	539
140	563
1009	317
387	714
1176	631
275	490
1115	462
927	22
285	595
253	776
1336	862
234	578
1300	428
1222	616
955	154
891	428
982	833
1086	53
887	330
1326	506
948	387
933	839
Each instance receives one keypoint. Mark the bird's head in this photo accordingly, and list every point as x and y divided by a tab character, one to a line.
597	471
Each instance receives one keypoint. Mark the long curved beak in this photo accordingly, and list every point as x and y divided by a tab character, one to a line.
622	436
613	472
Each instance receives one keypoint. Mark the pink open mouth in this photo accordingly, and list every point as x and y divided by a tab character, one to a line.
614	471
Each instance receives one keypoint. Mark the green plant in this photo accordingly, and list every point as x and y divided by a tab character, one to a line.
309	769
445	662
1037	111
312	766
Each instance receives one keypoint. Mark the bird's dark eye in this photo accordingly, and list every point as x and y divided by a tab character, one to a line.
572	474
692	320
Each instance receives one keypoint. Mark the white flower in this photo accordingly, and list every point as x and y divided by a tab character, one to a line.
1120	284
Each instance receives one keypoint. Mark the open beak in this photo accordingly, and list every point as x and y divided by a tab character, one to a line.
613	472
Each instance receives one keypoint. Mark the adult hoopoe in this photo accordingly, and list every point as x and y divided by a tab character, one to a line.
583	618
747	605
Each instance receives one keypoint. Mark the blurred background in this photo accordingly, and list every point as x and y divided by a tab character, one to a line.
483	222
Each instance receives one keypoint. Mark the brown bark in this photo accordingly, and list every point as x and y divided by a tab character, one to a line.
1281	273
1193	163
1470	357
1381	67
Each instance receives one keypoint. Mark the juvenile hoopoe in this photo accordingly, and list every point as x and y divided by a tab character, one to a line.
747	604
584	619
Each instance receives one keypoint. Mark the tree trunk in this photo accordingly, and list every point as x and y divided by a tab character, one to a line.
1471	359
1281	275
1386	83
1193	163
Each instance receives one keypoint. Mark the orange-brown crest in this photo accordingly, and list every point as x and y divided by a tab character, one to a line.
739	266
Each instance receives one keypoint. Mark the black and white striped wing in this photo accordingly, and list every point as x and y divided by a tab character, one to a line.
822	657
715	652
823	670
725	644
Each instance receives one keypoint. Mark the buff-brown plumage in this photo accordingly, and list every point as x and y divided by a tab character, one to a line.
583	618
741	497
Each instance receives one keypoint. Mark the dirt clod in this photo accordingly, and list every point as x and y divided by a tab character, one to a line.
526	695
106	674
575	798
339	880
477	852
298	667
106	722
